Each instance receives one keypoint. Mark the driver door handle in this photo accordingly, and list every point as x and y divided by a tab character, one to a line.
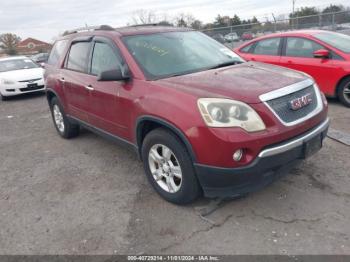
89	87
62	79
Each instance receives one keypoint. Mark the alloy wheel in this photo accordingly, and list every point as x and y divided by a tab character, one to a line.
346	92
165	168
58	117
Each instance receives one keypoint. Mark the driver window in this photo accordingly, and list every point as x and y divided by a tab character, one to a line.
301	47
104	58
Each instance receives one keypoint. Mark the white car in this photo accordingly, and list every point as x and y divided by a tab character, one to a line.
19	75
231	37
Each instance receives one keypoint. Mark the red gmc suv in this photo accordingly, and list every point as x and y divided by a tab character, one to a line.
202	120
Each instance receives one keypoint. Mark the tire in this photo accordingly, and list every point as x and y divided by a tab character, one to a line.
181	191
344	92
3	98
64	127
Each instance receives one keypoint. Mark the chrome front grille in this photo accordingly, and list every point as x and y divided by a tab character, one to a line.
30	80
279	102
281	105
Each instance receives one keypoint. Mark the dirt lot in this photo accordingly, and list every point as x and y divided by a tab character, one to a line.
89	196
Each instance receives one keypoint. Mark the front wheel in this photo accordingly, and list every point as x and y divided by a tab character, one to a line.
344	92
65	128
3	98
169	168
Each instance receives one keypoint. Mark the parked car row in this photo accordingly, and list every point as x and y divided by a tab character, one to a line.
232	37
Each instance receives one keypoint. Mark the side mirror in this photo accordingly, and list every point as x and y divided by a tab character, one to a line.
112	75
42	65
322	53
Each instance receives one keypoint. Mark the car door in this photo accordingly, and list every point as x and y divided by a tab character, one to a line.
265	50
74	76
106	111
298	54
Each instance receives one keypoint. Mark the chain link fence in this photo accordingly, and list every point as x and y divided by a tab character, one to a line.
233	36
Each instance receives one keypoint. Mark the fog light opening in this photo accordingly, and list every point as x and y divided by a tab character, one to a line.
237	155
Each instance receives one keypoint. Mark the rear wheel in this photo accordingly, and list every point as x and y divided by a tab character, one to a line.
344	92
64	127
169	168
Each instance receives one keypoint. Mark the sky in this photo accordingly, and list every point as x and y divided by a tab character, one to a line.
46	19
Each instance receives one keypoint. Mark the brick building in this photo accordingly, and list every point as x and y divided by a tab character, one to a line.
31	46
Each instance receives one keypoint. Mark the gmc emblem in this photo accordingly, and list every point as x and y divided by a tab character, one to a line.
300	102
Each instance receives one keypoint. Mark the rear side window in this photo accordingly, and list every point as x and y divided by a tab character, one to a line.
78	57
57	52
267	46
104	58
301	47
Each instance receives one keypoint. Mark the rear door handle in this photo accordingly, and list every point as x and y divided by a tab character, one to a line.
62	79
89	87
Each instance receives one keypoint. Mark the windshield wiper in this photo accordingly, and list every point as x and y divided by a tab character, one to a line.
226	64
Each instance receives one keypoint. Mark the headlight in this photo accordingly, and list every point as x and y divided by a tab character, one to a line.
7	82
218	112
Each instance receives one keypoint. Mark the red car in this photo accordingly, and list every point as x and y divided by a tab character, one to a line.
324	55
247	36
200	118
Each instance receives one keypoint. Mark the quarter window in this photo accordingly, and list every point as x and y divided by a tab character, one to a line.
57	52
104	58
301	47
247	49
268	46
78	56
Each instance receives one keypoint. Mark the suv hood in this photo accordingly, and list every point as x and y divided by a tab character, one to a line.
244	82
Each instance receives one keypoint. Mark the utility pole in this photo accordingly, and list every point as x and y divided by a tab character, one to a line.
293	16
275	22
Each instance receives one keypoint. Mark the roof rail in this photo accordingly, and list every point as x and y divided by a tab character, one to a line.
88	28
151	24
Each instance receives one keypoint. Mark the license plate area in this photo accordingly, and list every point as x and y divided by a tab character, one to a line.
311	146
32	86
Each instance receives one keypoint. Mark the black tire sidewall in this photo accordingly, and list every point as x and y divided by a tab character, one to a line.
190	189
3	98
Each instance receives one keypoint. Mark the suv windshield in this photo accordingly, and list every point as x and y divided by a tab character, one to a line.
177	53
16	64
339	41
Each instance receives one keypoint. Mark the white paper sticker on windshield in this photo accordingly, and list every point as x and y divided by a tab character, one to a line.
27	60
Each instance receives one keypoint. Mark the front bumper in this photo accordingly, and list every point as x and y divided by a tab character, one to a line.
22	88
271	164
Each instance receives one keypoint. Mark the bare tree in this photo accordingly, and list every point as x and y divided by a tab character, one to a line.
9	42
184	20
143	16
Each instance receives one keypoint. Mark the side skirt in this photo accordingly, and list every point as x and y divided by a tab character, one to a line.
116	139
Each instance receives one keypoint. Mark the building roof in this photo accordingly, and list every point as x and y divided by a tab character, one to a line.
25	42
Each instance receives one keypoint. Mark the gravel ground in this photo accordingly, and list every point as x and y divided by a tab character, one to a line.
90	196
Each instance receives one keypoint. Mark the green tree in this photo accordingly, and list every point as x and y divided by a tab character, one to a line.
235	20
220	21
305	17
335	14
333	9
255	20
197	24
9	42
